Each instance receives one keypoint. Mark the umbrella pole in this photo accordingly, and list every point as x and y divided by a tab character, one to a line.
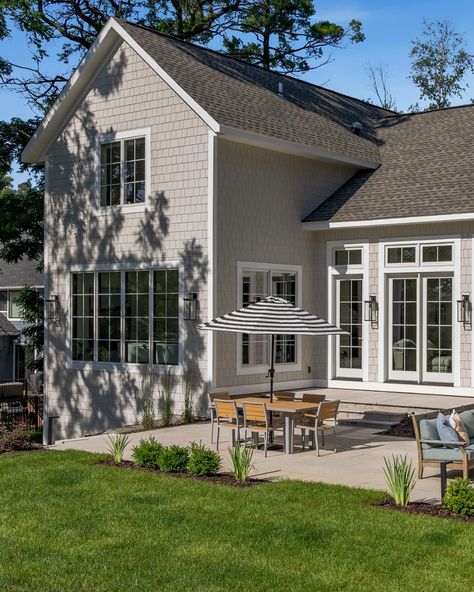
271	372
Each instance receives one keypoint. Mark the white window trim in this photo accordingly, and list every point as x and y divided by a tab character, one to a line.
242	266
125	135
347	272
347	247
125	366
385	270
402	264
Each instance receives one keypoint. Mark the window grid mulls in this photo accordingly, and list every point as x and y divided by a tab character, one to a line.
122	172
83	316
118	302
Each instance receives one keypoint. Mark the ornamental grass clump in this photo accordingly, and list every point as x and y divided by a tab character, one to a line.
459	497
168	382
174	459
147	453
116	445
241	458
149	386
203	461
14	438
400	478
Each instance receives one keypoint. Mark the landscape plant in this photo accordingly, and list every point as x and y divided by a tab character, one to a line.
168	382
174	459
202	460
459	497
116	445
400	478
14	438
190	383
241	458
149	386
148	453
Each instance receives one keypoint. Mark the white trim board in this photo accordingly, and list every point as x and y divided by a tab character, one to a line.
438	219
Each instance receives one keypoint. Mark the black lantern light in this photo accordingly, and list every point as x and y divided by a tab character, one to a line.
191	307
52	308
372	310
464	310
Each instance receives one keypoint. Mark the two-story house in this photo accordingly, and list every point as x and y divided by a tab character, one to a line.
172	170
13	352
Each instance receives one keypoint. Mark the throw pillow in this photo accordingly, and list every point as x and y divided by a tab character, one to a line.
445	431
456	422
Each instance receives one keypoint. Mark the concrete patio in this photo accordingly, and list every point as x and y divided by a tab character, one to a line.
358	462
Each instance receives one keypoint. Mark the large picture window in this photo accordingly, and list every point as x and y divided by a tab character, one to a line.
123	171
126	316
255	285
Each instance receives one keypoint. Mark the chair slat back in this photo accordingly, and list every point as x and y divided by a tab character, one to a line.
226	409
254	412
313	398
328	410
223	395
284	396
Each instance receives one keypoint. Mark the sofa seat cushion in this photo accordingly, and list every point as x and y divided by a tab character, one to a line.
429	431
447	453
467	418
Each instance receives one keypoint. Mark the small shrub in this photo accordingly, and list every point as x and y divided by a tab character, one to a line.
15	438
174	459
148	453
400	478
203	461
116	445
459	497
241	458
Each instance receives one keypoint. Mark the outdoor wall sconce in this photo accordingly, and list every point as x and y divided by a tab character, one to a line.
372	310
191	307
52	308
465	310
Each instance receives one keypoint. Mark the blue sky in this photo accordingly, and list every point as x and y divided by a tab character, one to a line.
389	28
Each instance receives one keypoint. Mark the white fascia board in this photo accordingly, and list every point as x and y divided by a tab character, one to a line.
271	143
328	225
106	42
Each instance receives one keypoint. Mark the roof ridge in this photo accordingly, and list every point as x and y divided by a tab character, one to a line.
426	111
279	74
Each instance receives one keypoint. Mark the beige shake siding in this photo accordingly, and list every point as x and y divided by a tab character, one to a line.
126	95
262	196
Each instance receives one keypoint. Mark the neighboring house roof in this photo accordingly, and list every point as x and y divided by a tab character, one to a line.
17	275
230	93
427	170
7	328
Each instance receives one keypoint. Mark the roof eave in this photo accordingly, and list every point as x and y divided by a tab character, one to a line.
409	220
105	44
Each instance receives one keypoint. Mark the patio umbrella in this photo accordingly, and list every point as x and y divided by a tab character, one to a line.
272	316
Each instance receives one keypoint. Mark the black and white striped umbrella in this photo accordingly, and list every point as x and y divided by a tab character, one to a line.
272	316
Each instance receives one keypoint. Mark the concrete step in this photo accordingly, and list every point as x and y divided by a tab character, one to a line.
370	417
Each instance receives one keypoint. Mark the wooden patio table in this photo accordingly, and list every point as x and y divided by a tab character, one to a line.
288	409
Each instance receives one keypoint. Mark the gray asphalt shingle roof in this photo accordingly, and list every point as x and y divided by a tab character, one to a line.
427	169
17	275
245	97
7	328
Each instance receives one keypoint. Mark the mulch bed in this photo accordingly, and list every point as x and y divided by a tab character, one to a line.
436	510
403	429
220	478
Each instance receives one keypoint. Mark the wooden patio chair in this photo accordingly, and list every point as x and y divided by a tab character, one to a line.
324	419
257	421
227	416
313	398
284	396
223	395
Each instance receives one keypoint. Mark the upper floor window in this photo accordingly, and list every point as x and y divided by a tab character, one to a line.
13	308
3	301
347	257
123	171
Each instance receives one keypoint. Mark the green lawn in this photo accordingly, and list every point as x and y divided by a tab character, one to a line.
69	524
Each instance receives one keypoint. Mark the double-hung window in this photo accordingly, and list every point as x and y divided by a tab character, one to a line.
256	284
124	165
127	316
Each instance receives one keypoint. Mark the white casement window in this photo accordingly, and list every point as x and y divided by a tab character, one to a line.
4	301
13	308
124	169
257	281
347	257
129	316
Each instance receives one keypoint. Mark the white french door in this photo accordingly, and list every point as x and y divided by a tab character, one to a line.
420	335
349	318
